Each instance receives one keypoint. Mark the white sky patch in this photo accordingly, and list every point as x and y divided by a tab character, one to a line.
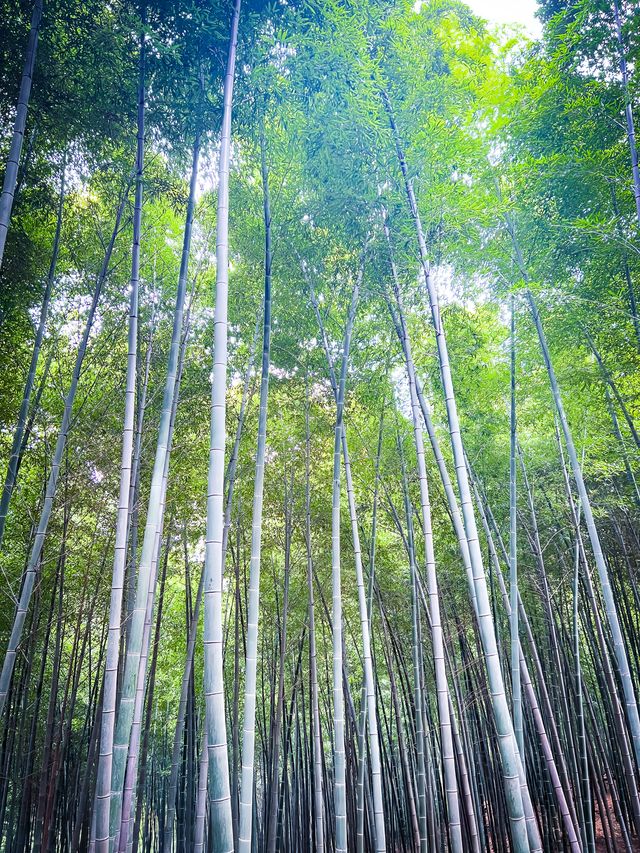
70	312
281	372
197	551
96	475
401	390
208	171
509	12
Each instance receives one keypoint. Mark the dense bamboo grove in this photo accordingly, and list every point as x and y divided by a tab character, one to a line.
319	431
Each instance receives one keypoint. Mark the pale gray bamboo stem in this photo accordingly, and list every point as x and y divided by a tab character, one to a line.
588	837
421	778
525	835
565	807
124	839
362	723
609	383
437	638
134	490
253	605
369	686
620	652
105	758
516	692
179	730
215	721
339	781
124	720
201	797
318	801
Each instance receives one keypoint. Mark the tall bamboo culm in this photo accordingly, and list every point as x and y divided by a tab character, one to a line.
124	718
216	727
524	832
105	755
253	606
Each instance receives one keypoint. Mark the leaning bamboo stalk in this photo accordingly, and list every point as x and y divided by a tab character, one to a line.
609	383
631	707
123	839
623	746
620	653
565	806
554	646
623	450
588	837
134	491
21	430
399	322
124	718
524	830
437	639
526	625
52	482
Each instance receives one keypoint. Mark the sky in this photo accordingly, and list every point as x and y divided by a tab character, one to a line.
508	11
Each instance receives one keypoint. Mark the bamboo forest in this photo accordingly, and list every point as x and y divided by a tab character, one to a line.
319	426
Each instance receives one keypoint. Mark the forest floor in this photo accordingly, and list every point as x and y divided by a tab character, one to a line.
618	838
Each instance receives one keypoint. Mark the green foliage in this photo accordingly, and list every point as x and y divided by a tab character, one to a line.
492	124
